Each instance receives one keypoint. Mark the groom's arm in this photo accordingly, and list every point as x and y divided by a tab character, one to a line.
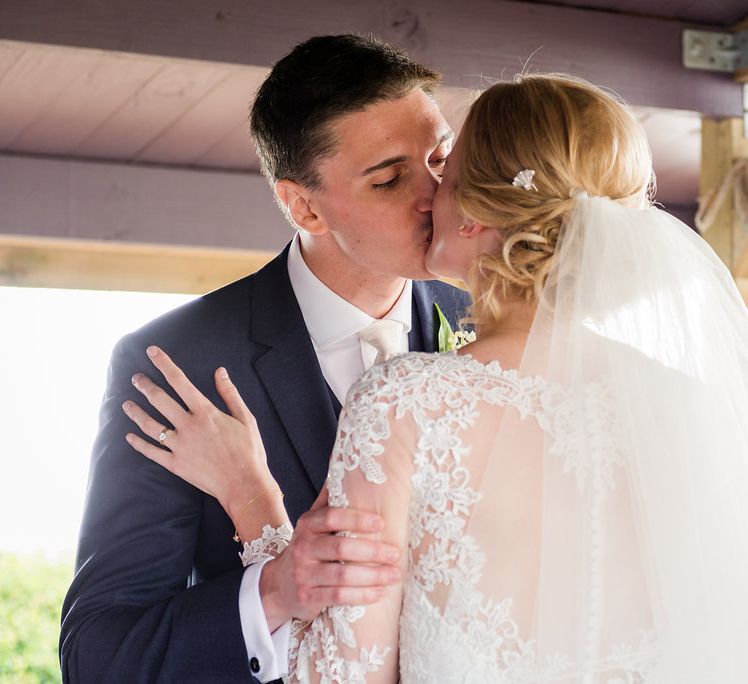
129	615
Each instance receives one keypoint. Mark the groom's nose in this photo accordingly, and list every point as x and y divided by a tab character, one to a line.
426	189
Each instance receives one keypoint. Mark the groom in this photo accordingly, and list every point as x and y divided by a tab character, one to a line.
353	146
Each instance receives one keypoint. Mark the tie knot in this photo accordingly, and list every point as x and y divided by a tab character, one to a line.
385	336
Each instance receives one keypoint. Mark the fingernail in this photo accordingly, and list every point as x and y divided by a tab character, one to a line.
376	523
394	576
223	373
393	555
125	406
136	379
152	351
129	438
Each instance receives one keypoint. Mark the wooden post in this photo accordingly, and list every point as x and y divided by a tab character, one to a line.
723	142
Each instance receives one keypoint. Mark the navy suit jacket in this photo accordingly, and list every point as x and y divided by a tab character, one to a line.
155	595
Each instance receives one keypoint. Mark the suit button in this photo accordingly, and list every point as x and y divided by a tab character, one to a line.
254	665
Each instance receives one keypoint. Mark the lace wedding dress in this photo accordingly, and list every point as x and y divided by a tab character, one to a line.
413	443
582	519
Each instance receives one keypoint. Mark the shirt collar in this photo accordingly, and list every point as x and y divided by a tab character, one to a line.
328	317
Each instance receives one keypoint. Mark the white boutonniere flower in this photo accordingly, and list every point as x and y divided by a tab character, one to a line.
448	339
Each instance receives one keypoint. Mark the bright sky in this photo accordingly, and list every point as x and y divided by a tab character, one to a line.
54	352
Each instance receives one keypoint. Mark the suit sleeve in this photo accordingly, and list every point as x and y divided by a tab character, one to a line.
129	615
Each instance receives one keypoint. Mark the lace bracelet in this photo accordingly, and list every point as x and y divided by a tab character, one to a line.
269	545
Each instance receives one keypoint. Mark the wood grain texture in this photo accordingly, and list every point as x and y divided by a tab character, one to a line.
722	143
470	41
172	91
101	85
138	204
715	12
209	121
89	265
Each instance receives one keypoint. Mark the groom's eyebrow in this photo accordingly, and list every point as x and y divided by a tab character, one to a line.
399	160
384	164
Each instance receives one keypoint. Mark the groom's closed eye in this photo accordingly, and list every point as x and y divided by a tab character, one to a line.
437	164
388	184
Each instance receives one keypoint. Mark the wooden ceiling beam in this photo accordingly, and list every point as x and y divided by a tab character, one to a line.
131	203
92	265
469	41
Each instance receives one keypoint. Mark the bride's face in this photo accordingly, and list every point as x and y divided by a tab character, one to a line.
444	255
452	251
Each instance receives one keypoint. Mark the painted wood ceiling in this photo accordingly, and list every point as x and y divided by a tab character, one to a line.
94	104
715	12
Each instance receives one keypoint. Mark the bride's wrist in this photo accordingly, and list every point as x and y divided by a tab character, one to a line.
242	488
261	506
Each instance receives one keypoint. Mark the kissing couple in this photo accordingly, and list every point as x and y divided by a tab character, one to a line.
289	482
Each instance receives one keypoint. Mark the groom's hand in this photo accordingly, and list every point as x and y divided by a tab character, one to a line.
320	569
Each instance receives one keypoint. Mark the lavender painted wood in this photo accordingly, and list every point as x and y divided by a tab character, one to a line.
205	125
173	90
137	204
638	57
715	12
94	90
96	104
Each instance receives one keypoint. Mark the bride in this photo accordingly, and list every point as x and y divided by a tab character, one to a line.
570	490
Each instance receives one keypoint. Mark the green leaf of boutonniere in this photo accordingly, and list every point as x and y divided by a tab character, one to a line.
445	331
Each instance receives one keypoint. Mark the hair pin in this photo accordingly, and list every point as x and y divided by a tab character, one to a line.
524	180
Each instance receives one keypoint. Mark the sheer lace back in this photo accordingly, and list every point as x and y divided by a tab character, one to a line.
419	439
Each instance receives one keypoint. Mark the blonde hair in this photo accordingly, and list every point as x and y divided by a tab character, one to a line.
575	137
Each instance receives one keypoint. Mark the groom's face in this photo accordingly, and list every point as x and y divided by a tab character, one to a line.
378	187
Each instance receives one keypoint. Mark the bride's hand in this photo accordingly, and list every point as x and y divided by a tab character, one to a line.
221	454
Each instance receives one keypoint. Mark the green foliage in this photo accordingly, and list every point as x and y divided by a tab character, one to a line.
445	330
31	592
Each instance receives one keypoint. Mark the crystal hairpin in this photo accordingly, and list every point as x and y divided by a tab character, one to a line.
524	180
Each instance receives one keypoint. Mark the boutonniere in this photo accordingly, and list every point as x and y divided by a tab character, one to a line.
448	339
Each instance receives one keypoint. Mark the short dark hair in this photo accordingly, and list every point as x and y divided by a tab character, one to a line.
318	81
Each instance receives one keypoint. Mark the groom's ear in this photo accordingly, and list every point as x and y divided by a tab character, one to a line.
298	202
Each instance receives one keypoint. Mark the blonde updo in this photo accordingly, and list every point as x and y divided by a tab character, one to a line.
575	137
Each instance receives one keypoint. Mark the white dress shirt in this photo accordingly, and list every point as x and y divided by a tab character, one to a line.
333	324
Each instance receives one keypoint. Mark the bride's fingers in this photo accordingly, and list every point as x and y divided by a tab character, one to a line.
159	399
146	423
231	397
176	378
154	453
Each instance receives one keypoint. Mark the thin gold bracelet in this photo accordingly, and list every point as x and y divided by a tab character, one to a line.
251	501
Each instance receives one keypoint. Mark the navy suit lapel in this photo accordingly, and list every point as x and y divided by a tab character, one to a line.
289	369
422	335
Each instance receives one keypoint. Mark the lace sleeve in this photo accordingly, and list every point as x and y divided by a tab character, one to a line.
369	469
272	541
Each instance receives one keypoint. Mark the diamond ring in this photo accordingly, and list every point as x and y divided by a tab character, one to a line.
164	434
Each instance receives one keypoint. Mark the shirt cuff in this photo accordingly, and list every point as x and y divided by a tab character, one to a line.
267	653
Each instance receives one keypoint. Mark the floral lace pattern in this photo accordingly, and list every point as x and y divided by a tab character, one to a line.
474	636
272	541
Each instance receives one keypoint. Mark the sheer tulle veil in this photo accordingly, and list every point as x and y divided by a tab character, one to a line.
639	529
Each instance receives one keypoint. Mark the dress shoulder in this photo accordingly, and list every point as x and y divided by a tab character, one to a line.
404	374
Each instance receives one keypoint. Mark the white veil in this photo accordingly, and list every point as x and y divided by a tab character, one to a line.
640	455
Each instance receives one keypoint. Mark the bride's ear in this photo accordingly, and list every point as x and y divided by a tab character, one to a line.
471	229
487	238
300	204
